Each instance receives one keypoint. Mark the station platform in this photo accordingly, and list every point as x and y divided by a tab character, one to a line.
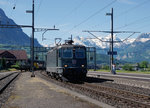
144	77
36	92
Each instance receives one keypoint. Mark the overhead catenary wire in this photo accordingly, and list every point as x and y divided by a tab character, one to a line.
74	9
14	5
114	32
94	14
12	8
97	12
96	36
134	22
128	37
133	8
144	26
126	11
6	8
39	6
71	12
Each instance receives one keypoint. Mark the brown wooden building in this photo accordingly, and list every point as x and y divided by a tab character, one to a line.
14	55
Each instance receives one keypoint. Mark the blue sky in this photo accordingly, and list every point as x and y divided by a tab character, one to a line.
74	16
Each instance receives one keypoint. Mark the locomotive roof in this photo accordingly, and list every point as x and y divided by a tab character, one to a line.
70	45
64	46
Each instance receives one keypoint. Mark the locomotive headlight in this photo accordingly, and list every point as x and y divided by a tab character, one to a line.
82	65
65	65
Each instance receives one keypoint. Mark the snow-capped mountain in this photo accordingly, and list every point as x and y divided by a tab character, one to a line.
99	44
144	37
131	50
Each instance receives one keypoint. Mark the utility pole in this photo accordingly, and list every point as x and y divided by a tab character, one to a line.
32	39
94	59
110	55
111	41
112	50
32	45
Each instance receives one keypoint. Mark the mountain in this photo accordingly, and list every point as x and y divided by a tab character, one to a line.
13	36
137	51
131	50
99	44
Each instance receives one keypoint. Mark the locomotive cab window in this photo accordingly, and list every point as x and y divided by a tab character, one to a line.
67	53
80	53
59	52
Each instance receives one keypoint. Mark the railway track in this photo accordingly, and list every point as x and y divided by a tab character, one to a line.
124	93
123	97
109	95
6	80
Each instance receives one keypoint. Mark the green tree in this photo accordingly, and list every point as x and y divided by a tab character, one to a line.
148	67
0	63
3	61
106	67
144	65
128	67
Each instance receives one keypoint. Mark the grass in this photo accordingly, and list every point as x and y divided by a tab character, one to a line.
123	71
139	72
102	70
9	69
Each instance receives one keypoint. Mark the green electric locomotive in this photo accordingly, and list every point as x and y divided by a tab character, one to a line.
67	62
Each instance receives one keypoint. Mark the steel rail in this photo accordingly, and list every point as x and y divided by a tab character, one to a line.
98	94
6	76
8	82
92	92
110	89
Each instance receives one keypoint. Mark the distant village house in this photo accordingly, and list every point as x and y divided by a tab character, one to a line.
13	56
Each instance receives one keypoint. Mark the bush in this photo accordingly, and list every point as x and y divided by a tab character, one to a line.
144	65
3	63
128	67
106	67
15	66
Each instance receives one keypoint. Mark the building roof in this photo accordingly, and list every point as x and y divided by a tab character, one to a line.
19	54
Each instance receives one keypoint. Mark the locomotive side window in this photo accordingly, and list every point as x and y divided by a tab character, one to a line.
59	52
67	53
80	53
